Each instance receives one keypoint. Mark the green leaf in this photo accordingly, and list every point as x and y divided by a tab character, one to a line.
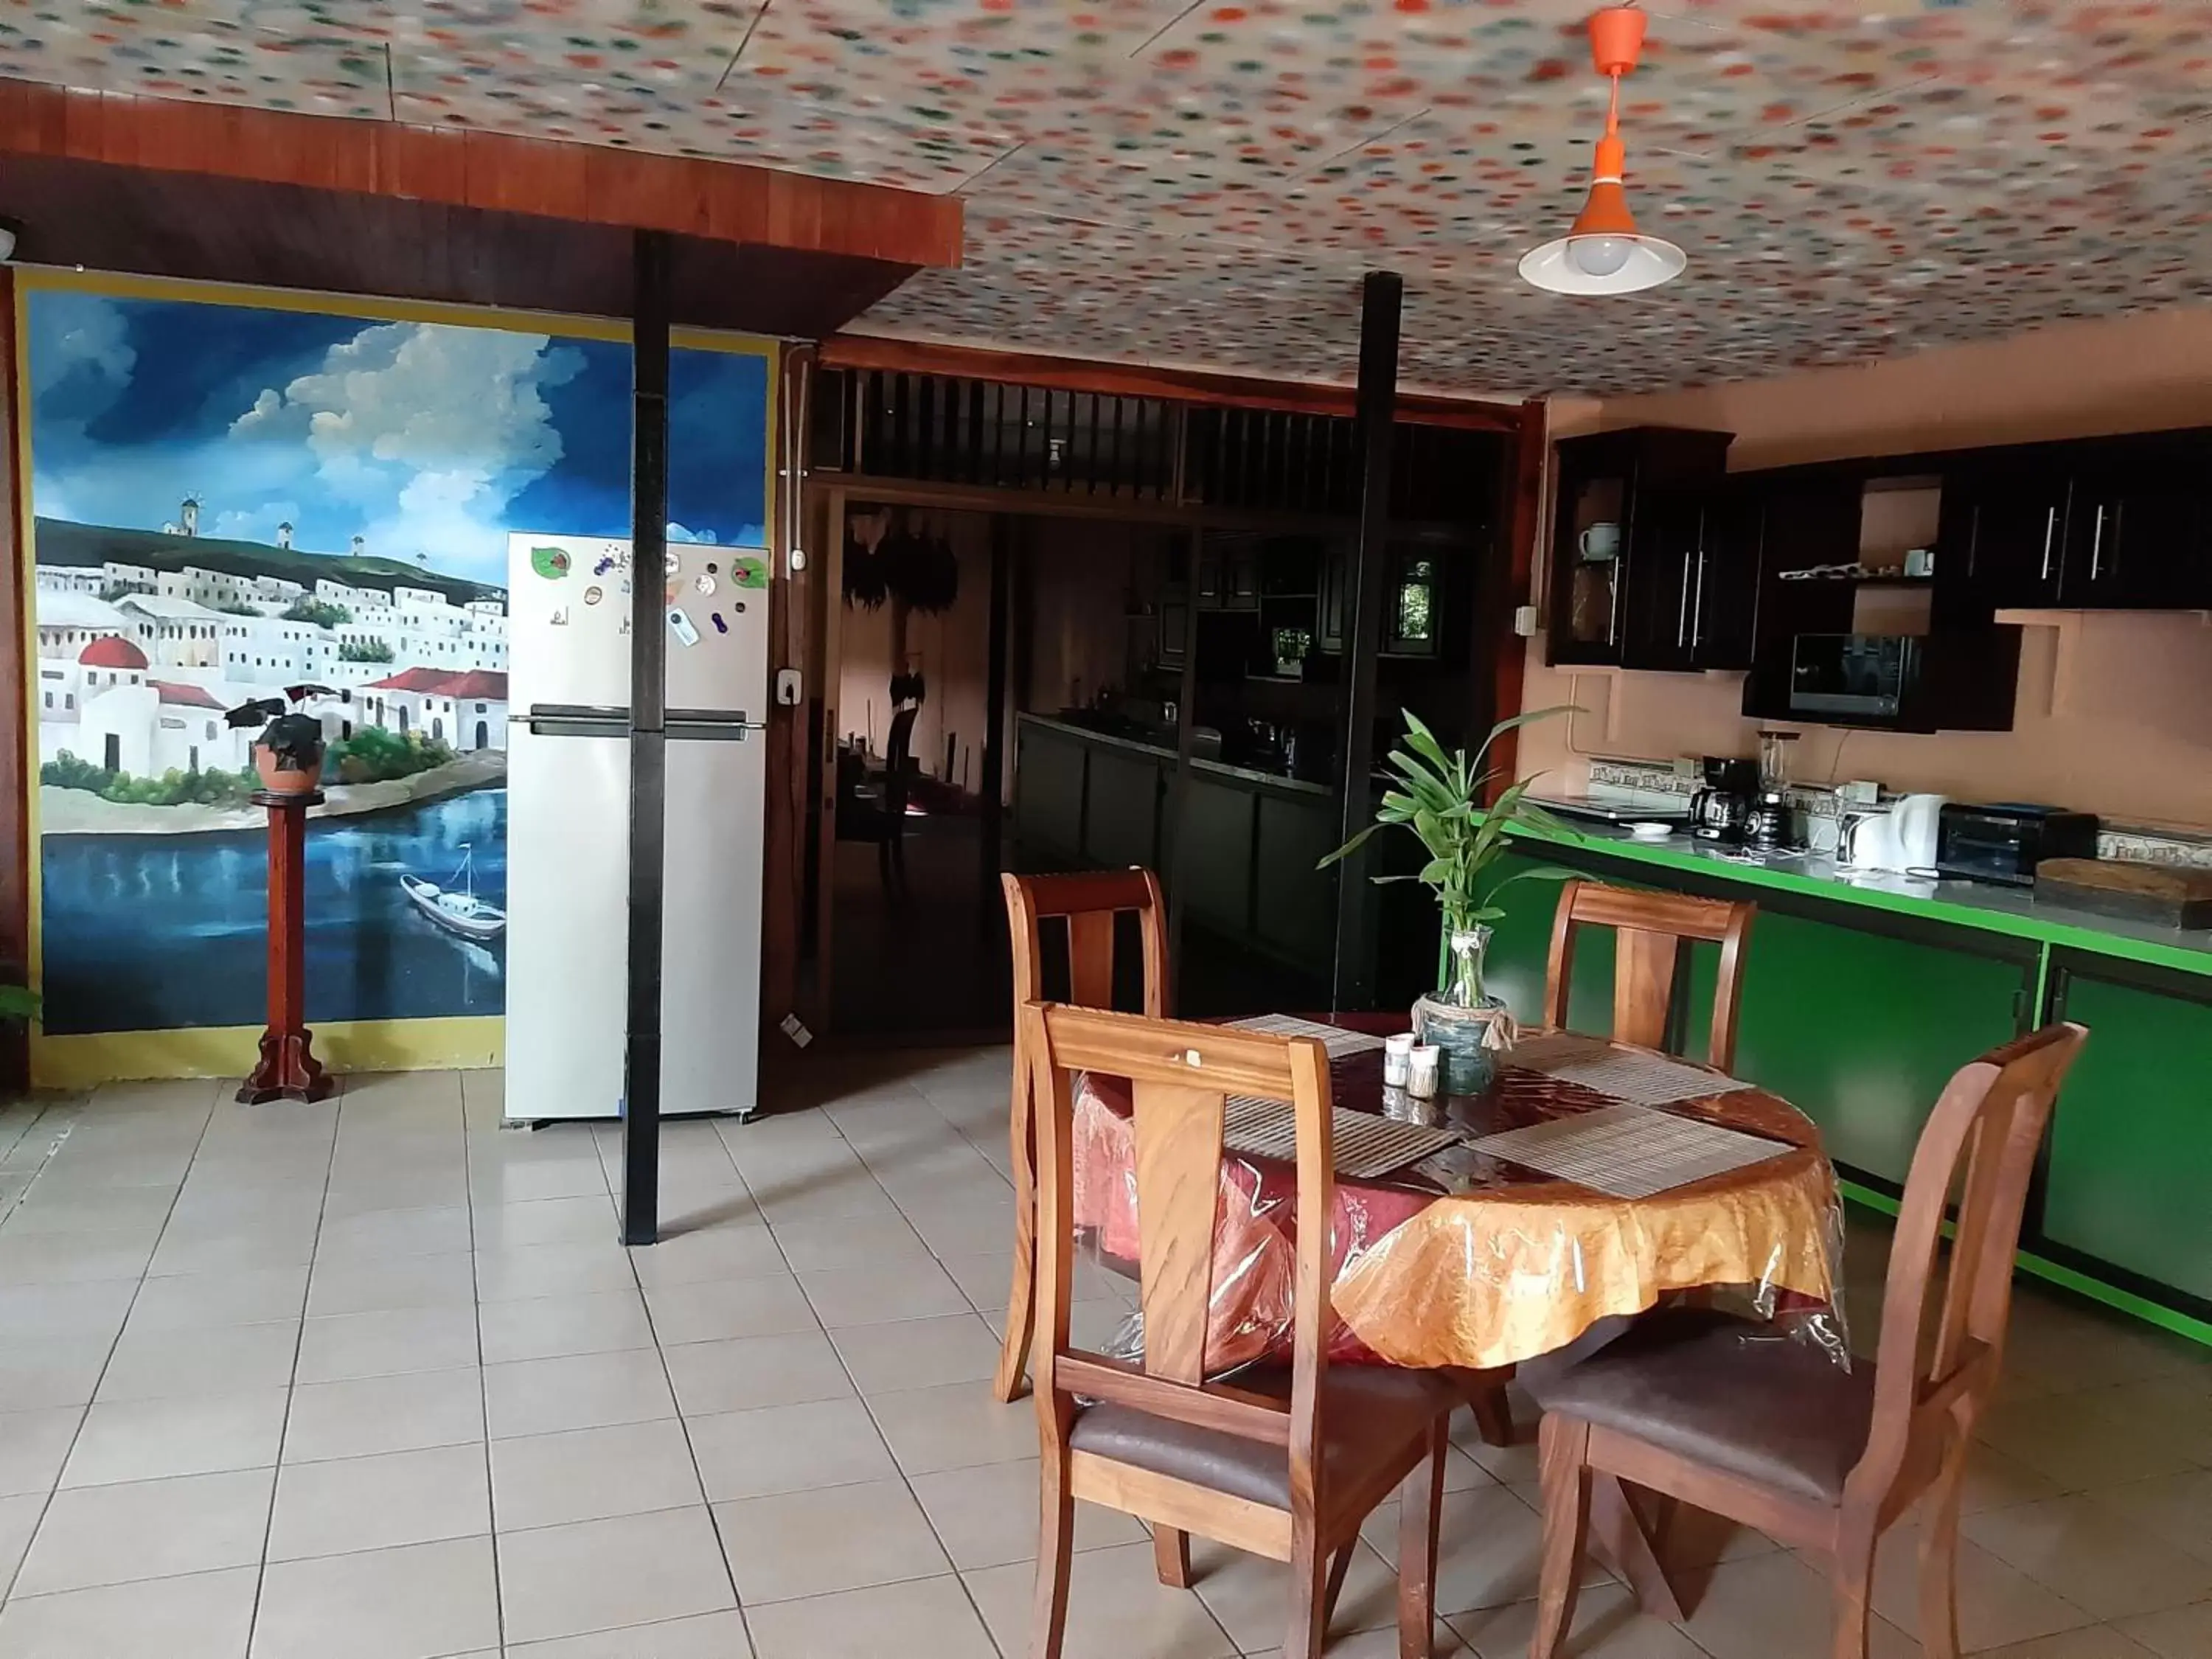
1518	720
1437	870
1424	742
18	1002
1348	848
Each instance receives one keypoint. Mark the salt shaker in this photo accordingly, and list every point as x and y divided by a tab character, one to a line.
1397	1053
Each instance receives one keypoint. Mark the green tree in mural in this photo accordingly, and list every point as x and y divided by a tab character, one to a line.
364	651
323	614
372	754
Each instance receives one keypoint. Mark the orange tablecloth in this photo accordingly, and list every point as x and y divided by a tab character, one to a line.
1483	1263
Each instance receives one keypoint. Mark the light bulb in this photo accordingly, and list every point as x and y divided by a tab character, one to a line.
1600	256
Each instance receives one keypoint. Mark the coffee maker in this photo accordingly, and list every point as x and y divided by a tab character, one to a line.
1722	810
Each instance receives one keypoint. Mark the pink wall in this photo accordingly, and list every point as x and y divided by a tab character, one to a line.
2111	715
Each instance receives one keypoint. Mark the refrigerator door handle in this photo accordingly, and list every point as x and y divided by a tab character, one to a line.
575	719
698	726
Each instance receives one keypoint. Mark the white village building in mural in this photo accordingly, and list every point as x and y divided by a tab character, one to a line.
136	665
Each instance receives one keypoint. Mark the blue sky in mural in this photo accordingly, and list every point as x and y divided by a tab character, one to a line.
424	439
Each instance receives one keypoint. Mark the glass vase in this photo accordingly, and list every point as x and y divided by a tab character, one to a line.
1469	1025
1464	986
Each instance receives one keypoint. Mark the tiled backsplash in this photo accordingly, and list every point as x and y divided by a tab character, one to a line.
1822	810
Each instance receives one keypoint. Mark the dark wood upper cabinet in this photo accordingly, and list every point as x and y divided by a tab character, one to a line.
2002	541
2135	525
1628	535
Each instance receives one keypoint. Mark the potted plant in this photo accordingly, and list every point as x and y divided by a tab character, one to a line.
288	753
1438	796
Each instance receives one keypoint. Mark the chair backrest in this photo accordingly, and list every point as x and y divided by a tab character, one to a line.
1088	903
1648	927
1179	1076
1980	1140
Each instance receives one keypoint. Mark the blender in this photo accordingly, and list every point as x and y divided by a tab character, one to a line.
1773	827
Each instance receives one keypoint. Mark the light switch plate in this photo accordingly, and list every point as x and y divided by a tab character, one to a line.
788	686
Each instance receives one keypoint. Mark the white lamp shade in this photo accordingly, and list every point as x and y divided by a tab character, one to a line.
1651	262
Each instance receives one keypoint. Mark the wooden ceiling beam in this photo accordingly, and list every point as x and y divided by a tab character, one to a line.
586	184
1199	386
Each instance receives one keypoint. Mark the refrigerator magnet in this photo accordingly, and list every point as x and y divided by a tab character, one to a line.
550	563
680	625
675	562
593	594
748	572
721	626
704	583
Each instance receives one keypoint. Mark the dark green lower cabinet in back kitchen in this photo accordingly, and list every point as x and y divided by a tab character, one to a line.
1860	1030
2129	1176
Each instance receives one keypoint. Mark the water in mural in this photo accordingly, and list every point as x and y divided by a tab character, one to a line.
237	502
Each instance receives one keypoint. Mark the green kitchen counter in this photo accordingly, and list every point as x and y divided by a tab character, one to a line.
1862	995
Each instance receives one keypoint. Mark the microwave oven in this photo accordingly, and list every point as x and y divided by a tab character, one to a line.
1863	676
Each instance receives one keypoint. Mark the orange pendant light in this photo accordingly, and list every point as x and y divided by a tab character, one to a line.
1603	252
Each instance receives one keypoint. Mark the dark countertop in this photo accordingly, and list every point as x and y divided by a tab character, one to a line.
1213	768
2014	911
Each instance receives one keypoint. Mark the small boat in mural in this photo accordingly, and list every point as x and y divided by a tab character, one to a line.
462	912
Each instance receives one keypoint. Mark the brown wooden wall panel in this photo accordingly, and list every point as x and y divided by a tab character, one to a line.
1196	386
492	171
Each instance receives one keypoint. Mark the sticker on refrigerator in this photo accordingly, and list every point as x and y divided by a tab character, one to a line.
748	572
561	617
550	563
680	625
721	626
675	562
594	594
704	583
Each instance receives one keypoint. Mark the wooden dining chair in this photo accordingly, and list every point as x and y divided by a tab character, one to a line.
1284	1461
1724	1414
1649	931
1089	903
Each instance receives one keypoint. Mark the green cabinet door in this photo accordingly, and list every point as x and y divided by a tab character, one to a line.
1861	1032
2130	1173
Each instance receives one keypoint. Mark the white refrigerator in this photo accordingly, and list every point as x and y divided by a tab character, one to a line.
569	605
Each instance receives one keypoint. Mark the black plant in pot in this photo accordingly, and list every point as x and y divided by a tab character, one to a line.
288	753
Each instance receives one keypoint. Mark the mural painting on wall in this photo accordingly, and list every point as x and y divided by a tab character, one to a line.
235	502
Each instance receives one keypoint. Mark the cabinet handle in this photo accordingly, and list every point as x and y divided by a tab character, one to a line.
2049	528
1683	609
2097	544
1697	604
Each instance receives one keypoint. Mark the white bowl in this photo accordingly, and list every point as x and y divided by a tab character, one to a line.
1650	830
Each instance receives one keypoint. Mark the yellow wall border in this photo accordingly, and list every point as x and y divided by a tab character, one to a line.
75	1060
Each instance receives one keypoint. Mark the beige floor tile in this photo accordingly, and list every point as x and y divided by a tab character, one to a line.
848	1191
1487	1547
2183	1633
523	1271
180	1434
953	1426
40	1372
751	1372
709	1253
1383	1644
979	1227
817	1543
1116	1607
374	1284
1998	1603
235	1247
829	1443
375	1502
588	1475
201	1616
537	1178
2179	1402
34	1446
550	1327
392	1342
1607	1625
576	1391
2093	1642
189	1301
2109	1567
812	1245
1250	1596
1775	1607
364	1416
918	1353
417	1230
605	1574
986	1515
151	1365
412	1602
2081	1440
585	1220
88	1311
907	1289
711	1311
709	1636
1997	1480
148	1529
925	1619
19	1520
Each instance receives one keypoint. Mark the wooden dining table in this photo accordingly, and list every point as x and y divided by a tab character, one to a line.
1469	1260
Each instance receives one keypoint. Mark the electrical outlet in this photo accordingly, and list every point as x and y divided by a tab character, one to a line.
1524	621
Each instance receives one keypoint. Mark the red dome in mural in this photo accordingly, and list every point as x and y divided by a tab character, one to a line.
112	651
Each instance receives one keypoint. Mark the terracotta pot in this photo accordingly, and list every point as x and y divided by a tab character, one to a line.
279	779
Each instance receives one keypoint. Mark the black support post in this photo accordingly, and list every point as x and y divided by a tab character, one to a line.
648	735
1381	295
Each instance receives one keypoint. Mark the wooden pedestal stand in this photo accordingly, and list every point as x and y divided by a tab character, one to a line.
288	1069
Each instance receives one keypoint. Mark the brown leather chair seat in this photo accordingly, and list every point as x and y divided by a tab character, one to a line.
1726	1392
1367	1412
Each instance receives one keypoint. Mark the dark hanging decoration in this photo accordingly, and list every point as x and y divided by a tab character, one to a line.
864	589
921	572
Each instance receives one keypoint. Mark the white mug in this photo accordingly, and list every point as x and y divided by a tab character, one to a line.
1599	541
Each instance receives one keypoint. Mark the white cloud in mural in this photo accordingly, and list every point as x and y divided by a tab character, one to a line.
677	532
85	335
428	431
